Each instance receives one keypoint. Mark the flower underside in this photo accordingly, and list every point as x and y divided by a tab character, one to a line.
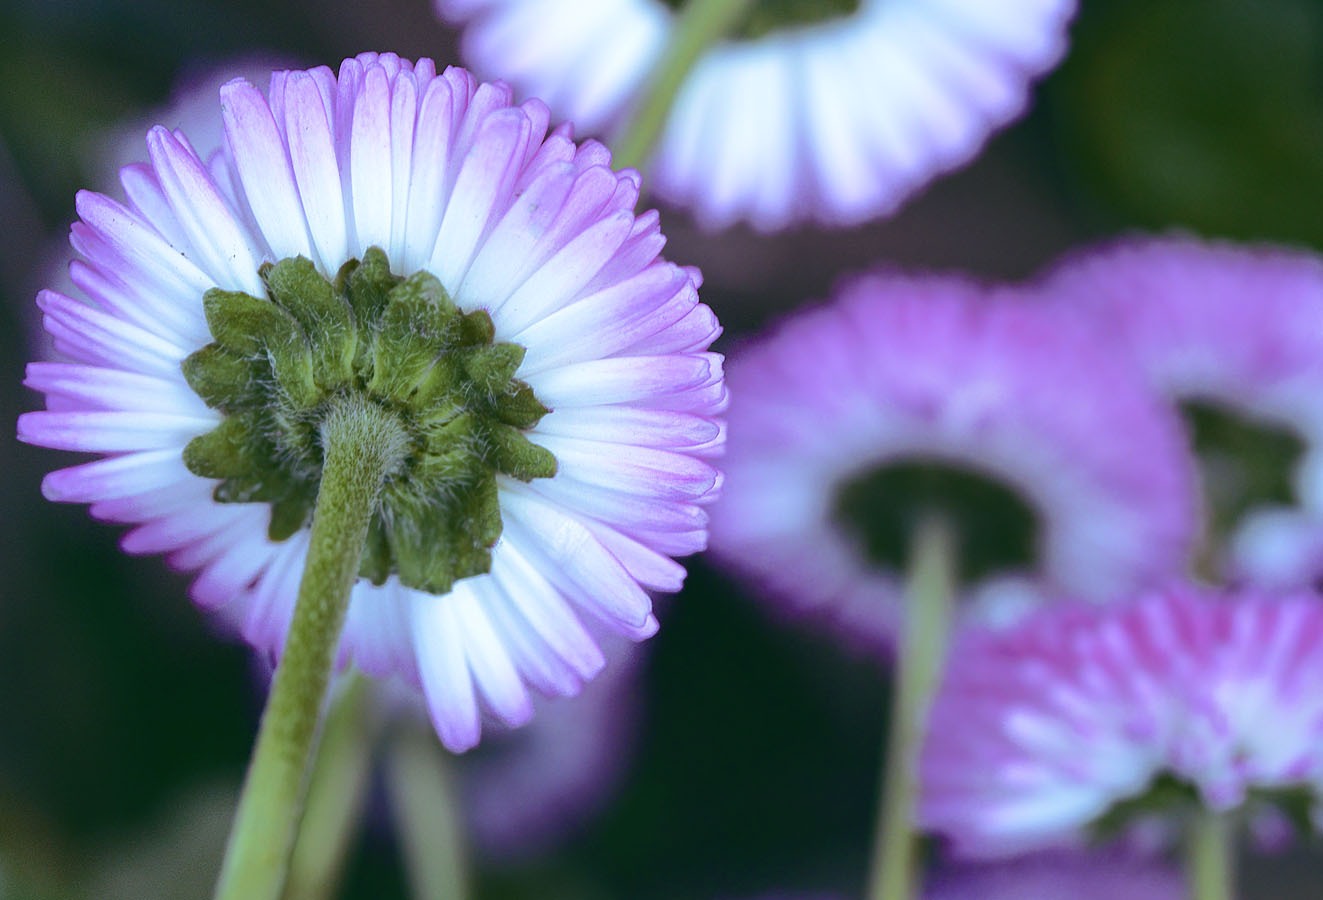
1171	797
278	365
766	16
1245	462
996	531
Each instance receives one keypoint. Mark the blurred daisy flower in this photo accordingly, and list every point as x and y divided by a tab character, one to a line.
410	242
830	112
1234	335
1087	719
1057	468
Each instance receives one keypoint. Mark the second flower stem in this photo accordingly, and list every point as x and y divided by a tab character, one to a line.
361	444
1209	867
701	24
425	807
920	654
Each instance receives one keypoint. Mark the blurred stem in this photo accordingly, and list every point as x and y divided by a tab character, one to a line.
361	444
426	812
701	23
1209	866
336	795
929	596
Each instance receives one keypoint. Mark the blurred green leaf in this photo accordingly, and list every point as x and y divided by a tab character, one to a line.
1206	115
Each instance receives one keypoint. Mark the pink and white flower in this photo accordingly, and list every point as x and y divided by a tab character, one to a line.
1039	732
1237	327
447	176
834	121
937	370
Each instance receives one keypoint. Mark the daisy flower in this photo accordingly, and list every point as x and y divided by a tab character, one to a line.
395	239
829	112
1083	716
906	395
1235	335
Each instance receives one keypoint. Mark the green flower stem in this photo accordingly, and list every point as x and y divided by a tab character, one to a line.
701	23
928	600
1209	864
426	813
336	794
361	444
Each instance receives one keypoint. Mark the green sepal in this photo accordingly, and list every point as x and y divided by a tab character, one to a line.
298	288
442	542
418	325
422	551
367	285
490	367
230	450
252	328
246	325
291	512
476	328
476	526
223	380
440	394
451	450
520	407
376	563
517	456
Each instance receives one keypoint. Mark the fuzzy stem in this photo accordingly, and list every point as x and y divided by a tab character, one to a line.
361	444
1209	863
701	23
922	650
425	809
336	794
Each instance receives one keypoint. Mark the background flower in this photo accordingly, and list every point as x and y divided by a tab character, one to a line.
1236	331
835	119
1037	734
899	372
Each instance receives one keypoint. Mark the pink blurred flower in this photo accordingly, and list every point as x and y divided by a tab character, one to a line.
1040	732
834	121
1238	327
936	370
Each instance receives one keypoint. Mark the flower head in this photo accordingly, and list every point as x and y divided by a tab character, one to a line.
1083	717
834	112
410	242
1235	335
913	395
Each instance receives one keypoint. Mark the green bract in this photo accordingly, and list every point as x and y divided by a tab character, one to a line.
279	364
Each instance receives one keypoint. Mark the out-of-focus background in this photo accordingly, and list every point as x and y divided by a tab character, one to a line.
126	721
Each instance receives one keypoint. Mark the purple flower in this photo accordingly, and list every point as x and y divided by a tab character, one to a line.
836	118
484	278
1041	734
900	375
1235	328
